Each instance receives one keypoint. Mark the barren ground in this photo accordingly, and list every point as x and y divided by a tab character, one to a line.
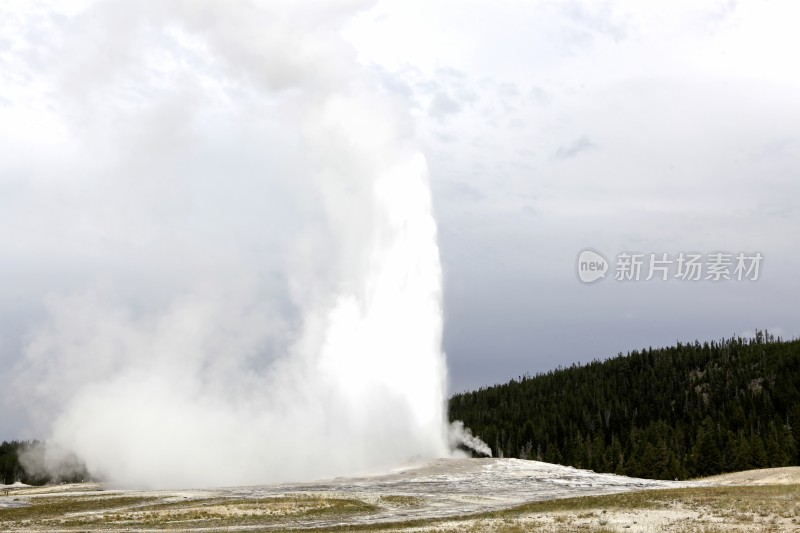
440	495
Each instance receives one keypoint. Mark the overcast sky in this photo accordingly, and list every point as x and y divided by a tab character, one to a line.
548	127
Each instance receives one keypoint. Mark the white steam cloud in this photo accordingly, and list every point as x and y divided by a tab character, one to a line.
462	436
246	284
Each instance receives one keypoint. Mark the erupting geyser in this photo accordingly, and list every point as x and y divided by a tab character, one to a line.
265	297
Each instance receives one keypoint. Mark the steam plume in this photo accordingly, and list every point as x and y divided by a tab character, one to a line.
462	436
264	301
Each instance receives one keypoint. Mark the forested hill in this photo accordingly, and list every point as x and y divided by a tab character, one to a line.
685	411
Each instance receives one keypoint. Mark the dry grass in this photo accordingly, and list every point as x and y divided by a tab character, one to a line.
688	510
132	512
702	509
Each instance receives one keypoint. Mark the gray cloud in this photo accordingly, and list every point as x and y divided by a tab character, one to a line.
579	146
597	18
538	95
443	105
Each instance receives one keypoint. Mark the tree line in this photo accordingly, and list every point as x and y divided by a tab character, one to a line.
678	412
11	469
